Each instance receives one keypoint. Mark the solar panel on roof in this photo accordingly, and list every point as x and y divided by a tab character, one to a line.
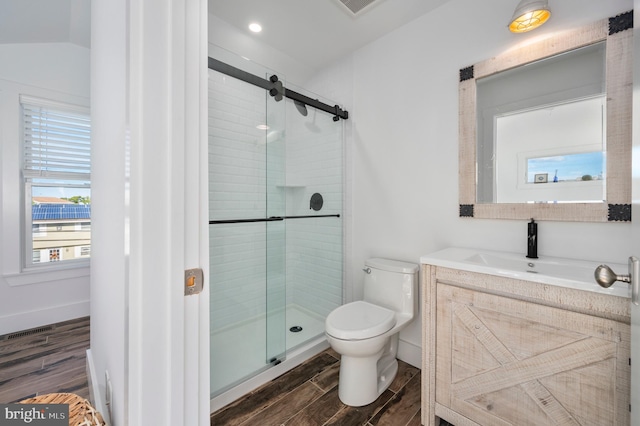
60	211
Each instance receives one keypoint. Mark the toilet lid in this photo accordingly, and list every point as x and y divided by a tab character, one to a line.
359	320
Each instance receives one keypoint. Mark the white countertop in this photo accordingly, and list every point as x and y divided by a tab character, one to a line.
573	273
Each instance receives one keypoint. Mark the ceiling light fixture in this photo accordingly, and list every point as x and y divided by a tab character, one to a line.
529	14
255	27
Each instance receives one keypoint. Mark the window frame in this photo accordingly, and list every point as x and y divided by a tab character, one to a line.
59	179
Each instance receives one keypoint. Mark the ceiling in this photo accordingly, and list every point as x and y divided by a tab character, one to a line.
313	32
318	32
45	21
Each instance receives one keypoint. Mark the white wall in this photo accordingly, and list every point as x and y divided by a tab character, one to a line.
405	145
59	72
109	262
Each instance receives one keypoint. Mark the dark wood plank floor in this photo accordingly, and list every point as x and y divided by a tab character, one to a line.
55	361
41	362
308	395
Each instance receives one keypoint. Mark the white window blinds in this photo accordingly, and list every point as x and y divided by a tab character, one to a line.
57	140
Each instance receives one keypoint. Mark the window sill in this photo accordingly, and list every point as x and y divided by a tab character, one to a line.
47	275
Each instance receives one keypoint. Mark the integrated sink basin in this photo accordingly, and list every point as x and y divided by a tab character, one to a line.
578	274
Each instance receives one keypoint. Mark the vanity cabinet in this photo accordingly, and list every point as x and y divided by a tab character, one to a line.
501	351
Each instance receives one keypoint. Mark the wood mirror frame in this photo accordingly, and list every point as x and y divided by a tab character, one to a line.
617	33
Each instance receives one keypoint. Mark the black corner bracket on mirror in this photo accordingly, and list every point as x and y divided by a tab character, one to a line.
466	73
466	210
619	213
621	22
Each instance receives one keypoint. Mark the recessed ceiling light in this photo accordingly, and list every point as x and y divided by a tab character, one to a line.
262	127
255	27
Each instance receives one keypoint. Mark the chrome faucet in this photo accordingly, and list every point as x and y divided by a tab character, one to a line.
532	240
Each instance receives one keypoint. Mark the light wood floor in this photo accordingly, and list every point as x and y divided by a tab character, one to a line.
308	395
39	361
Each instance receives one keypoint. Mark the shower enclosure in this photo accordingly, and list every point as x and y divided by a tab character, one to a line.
275	214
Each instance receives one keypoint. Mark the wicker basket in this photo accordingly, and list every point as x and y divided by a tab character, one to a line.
81	413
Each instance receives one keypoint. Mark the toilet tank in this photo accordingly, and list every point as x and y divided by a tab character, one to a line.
392	284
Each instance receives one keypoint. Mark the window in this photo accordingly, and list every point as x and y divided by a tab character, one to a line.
56	172
584	166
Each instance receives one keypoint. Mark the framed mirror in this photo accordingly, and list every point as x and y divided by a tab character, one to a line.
545	130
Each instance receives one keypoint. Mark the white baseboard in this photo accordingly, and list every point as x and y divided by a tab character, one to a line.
410	353
32	319
95	396
94	389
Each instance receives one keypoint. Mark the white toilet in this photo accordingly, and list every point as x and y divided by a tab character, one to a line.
365	333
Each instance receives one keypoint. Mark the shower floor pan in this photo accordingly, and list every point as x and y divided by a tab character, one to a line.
239	352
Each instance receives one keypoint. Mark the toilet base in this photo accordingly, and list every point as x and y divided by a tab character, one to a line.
363	379
388	373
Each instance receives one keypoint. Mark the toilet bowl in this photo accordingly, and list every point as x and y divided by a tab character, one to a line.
365	332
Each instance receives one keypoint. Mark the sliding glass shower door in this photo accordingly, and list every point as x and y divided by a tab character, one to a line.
247	232
275	191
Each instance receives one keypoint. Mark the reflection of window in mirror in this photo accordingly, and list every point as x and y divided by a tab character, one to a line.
565	142
543	109
583	167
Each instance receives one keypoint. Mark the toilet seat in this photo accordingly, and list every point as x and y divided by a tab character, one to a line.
359	320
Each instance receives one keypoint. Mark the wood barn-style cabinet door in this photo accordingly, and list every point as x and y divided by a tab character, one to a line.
502	361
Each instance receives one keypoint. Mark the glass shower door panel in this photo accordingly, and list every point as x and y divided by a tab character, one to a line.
238	253
238	233
314	245
276	231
